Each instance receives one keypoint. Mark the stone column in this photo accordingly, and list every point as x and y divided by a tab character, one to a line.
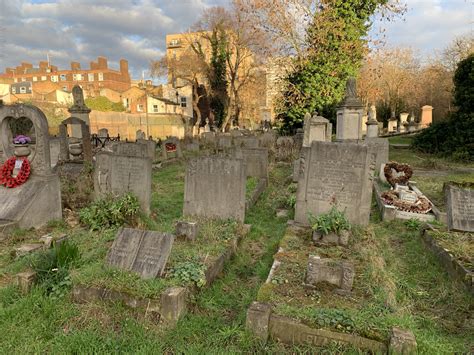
426	116
79	110
403	121
372	124
349	115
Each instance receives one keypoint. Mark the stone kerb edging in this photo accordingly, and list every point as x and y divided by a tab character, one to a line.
389	213
261	186
172	304
447	260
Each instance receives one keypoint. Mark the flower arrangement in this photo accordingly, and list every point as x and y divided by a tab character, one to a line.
6	172
21	139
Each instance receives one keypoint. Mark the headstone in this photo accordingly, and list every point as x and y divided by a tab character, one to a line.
403	121
402	342
379	147
460	207
171	148
224	141
130	149
392	125
316	128
335	174
189	230
80	111
65	148
215	187
119	174
140	134
246	142
349	115
192	147
141	251
38	200
256	161
426	116
103	133
209	138
150	145
267	139
339	273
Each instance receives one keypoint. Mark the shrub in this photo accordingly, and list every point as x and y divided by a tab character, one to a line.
110	212
334	221
189	272
102	103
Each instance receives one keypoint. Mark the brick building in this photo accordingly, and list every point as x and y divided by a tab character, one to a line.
92	80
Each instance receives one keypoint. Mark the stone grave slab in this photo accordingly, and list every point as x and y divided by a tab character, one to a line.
215	187
338	174
460	207
119	174
339	273
143	252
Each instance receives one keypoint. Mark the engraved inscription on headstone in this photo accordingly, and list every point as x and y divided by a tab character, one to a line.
460	207
335	174
215	187
143	252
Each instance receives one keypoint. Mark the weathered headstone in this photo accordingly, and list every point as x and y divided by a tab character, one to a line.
171	148
140	135
339	273
141	251
316	128
69	148
215	187
103	133
80	111
188	230
246	142
379	147
256	161
337	174
119	174
349	115
38	200
224	141
460	207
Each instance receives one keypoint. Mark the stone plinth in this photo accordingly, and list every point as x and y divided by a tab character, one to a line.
188	230
392	125
426	116
349	115
316	128
339	273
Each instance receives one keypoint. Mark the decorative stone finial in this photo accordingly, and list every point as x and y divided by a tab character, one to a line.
350	98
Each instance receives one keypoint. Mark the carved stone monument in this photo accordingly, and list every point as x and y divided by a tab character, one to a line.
38	200
339	273
372	124
119	174
335	174
215	187
316	128
141	251
349	115
74	146
460	207
79	110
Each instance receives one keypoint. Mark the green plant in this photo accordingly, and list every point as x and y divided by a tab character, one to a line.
291	201
110	212
189	272
333	221
413	224
52	268
102	103
334	318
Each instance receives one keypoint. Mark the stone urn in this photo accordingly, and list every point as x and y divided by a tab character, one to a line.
21	150
75	149
332	238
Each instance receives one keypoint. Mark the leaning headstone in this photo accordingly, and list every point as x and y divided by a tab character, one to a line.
215	187
256	161
141	251
339	273
119	174
335	174
460	207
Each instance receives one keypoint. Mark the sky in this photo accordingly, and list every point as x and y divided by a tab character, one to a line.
82	30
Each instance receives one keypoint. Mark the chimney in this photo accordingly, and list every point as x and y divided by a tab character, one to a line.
94	65
102	62
124	66
75	66
43	65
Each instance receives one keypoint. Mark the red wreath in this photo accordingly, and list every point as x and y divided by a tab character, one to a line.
6	172
170	147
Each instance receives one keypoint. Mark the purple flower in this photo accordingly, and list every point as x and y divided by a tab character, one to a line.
21	139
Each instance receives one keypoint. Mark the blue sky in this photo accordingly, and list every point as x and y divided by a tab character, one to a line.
81	30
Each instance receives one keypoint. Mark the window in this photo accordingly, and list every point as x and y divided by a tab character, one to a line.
15	80
140	108
13	90
43	78
77	77
62	77
35	78
54	78
183	101
23	79
155	108
90	76
23	90
101	76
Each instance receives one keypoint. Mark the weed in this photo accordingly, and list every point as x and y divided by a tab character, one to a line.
413	224
189	272
334	221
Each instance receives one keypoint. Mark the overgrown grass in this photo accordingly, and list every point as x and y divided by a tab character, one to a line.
401	140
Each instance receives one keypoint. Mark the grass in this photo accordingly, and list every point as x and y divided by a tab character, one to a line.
401	140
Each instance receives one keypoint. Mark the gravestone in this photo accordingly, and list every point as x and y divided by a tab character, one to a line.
339	273
215	187
335	174
141	251
267	139
140	135
84	147
103	133
150	145
119	174
256	161
349	115
372	124
460	207
171	148
224	141
316	128
246	142
80	111
130	149
38	200
379	147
